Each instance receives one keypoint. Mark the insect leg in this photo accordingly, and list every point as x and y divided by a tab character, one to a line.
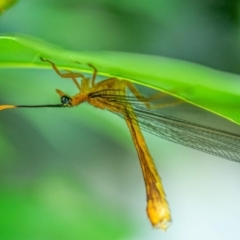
146	100
69	74
94	74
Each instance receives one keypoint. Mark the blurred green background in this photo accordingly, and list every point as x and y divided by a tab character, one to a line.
74	173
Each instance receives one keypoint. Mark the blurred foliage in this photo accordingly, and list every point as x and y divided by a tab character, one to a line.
54	209
5	4
73	173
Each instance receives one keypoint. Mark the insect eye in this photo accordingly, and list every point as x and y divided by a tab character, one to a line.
66	101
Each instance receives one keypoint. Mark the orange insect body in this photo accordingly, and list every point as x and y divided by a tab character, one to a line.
111	94
157	206
91	92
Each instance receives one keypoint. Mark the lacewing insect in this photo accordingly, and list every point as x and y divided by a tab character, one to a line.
138	113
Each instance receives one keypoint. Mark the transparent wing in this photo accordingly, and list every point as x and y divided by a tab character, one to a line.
200	137
213	141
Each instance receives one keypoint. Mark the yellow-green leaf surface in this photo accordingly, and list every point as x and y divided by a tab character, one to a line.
5	4
215	91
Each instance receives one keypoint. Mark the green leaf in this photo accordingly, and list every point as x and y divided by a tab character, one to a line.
212	90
